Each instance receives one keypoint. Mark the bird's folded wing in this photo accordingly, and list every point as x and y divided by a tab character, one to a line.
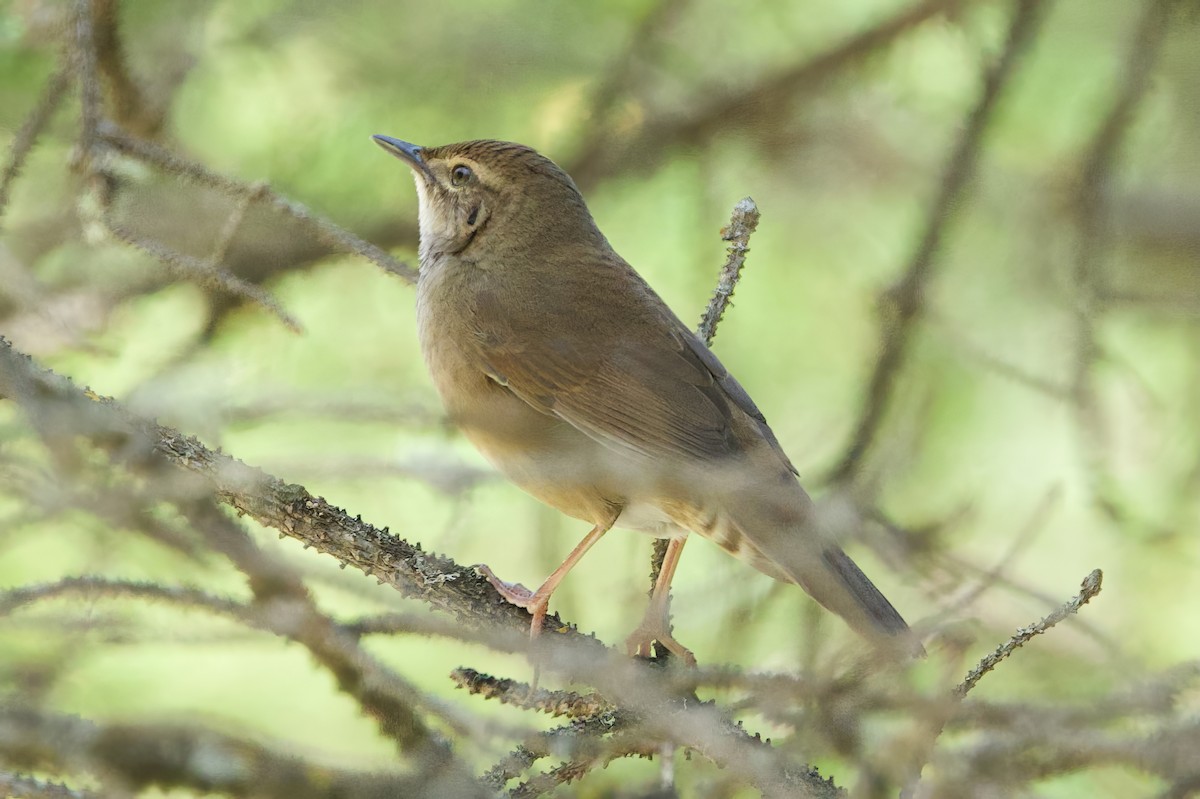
654	389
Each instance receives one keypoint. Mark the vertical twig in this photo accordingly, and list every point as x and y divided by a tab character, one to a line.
742	225
84	58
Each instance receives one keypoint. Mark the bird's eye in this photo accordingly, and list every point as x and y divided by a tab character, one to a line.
460	175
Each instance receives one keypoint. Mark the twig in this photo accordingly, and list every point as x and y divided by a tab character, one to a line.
1088	589
57	407
518	694
17	598
189	170
156	755
742	225
18	786
233	221
750	105
618	745
934	723
906	299
83	54
561	741
205	274
128	100
31	129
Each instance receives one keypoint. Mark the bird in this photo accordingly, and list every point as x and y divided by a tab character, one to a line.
566	370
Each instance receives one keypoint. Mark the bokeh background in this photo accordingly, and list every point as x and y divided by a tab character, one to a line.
1043	421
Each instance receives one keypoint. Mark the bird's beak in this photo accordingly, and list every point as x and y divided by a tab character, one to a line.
408	153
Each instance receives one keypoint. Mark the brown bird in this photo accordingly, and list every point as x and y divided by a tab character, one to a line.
571	375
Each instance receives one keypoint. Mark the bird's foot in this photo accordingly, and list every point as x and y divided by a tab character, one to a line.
513	593
536	602
641	643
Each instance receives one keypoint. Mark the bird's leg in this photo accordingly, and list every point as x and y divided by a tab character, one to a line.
536	602
656	624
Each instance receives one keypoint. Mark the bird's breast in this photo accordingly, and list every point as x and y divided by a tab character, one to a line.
539	452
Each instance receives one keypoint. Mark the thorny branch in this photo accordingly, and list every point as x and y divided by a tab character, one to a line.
60	412
1089	589
742	225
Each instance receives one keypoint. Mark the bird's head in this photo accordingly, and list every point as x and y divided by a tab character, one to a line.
492	196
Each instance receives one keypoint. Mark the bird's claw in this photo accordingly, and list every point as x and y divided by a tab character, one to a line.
641	644
513	593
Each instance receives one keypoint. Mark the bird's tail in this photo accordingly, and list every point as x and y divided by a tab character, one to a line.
785	540
871	613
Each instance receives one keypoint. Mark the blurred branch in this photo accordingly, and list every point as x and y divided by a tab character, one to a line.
622	76
31	129
447	475
203	273
145	755
1094	237
904	302
281	609
154	155
113	126
130	106
17	786
60	409
936	723
746	107
391	410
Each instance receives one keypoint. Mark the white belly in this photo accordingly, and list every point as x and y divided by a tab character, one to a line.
648	518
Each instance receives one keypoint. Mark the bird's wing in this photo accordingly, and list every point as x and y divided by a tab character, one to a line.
652	388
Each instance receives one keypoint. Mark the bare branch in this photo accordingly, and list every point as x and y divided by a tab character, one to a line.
748	106
1088	589
1094	236
18	786
204	274
742	225
31	129
905	300
139	756
57	407
189	170
511	692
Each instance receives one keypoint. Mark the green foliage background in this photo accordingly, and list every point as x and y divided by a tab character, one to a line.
983	454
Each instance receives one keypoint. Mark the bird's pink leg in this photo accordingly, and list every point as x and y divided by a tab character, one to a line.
656	624
536	602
